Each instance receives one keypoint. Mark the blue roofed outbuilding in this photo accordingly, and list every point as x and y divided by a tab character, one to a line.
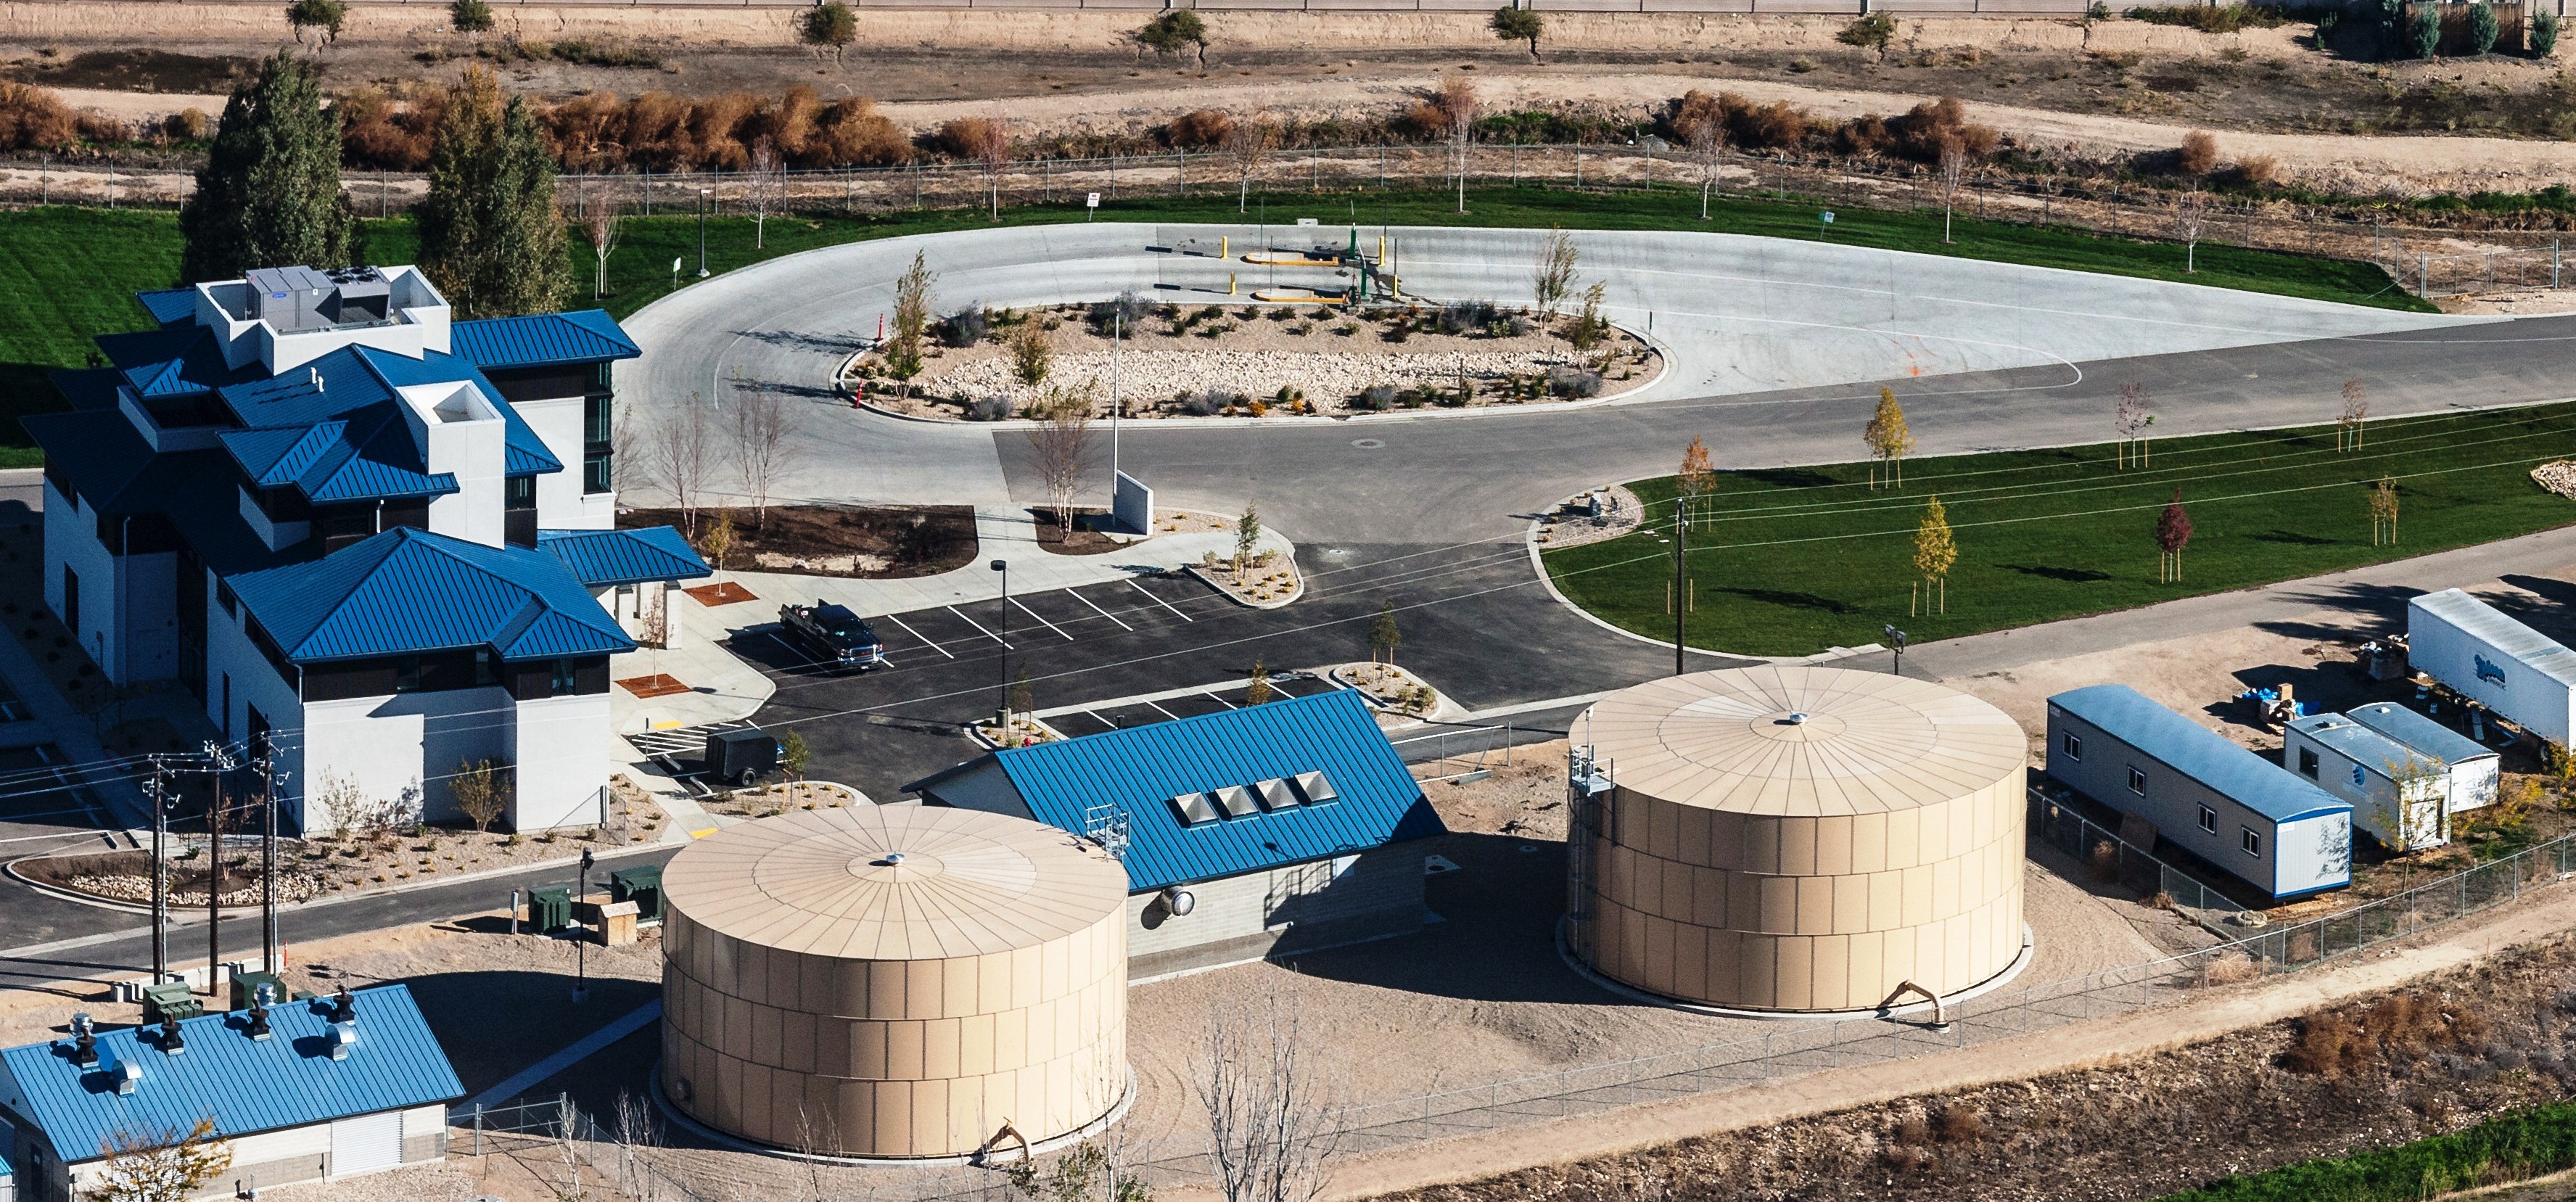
1281	824
244	1087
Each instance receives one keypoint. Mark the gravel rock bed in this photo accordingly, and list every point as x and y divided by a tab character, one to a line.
1328	378
291	887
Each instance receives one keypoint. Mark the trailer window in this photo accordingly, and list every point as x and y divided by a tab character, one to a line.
2308	762
2209	820
2253	841
2137	782
2074	747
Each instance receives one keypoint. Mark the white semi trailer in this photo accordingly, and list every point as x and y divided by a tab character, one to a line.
2479	653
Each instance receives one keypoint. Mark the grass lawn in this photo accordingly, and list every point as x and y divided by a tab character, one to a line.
1790	561
73	270
2515	1146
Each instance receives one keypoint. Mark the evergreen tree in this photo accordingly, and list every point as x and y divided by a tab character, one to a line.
269	194
491	236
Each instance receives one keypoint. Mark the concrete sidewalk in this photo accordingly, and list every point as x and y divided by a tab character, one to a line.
1010	535
722	687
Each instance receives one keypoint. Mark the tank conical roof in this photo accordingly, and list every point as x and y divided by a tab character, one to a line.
1794	741
895	882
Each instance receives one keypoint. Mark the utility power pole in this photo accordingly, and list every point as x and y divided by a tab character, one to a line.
269	779
159	791
1681	583
220	760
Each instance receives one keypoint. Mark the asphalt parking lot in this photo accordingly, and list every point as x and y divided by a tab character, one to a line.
1475	622
43	809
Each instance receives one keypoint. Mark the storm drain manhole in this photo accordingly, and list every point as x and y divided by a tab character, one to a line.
1368	444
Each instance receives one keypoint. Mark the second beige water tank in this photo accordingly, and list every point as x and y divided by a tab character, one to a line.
894	981
1799	838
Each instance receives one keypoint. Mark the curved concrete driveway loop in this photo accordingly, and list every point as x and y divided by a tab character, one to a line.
1739	316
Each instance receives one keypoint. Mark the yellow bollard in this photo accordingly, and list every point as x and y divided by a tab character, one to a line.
1225	246
1229	283
1381	250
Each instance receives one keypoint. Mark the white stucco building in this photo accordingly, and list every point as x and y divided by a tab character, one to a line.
374	541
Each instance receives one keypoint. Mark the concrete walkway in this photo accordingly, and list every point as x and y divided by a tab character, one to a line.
1009	535
722	688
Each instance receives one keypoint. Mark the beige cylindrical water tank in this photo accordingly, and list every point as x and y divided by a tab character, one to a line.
894	981
1798	838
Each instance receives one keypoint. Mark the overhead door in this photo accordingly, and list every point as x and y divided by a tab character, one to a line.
366	1143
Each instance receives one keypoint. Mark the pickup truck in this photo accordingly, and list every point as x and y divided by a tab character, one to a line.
830	634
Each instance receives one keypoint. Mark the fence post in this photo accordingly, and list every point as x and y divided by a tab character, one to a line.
2423	274
1180	171
478	1129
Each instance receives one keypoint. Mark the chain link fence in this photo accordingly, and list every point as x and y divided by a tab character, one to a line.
1783	1049
2426	258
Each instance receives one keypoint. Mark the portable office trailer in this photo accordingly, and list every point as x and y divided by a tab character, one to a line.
2251	818
2491	659
2470	772
2396	792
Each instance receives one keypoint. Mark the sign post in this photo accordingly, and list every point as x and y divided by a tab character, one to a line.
1091	207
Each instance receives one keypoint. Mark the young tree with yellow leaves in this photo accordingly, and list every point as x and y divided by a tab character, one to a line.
2383	510
1888	439
1934	552
1695	481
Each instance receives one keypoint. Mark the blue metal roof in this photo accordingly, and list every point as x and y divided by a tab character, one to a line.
527	455
246	1086
374	598
1141	768
598	557
170	306
2198	752
543	340
2424	735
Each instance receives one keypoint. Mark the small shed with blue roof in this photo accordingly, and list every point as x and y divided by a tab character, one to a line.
328	1089
2249	817
1269	830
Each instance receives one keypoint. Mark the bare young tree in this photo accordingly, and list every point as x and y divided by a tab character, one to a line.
1707	140
2191	213
1249	141
1273	1122
602	228
2129	420
1554	282
570	1133
1060	440
680	457
159	1164
768	187
763	449
633	1130
2356	413
1954	168
1459	108
990	143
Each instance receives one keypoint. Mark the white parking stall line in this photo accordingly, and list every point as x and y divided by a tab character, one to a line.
1096	609
907	629
1041	618
1103	721
1159	601
977	625
1221	701
1164	712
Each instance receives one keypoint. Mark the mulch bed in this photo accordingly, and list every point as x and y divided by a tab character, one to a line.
659	684
1085	537
862	541
727	593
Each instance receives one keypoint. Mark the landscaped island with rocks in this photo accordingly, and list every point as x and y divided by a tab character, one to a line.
1254	359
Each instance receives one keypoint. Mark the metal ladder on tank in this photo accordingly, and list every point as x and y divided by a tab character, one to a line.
1589	818
1106	824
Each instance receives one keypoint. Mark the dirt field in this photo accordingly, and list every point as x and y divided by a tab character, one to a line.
2437	1056
2111	87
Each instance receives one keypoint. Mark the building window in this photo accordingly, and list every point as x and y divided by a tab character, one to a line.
2308	762
2074	747
71	599
2137	782
596	441
2253	841
224	597
563	683
2209	820
406	673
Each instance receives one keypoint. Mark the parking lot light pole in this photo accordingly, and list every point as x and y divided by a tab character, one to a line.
581	935
1003	731
1681	583
1896	642
704	195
